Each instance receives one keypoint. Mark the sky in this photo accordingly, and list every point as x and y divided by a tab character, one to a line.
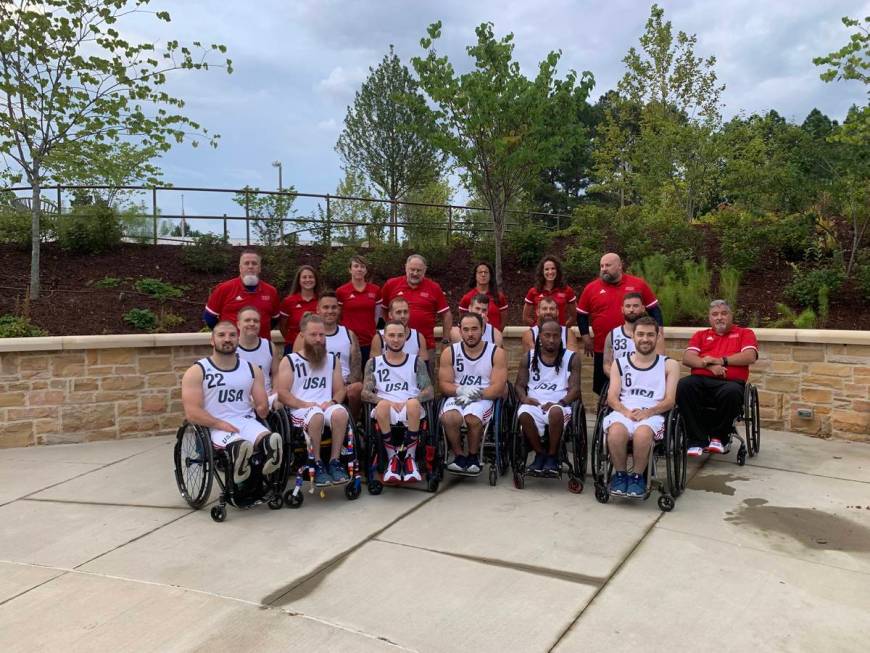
298	64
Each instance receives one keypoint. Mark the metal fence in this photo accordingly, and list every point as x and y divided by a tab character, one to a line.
246	216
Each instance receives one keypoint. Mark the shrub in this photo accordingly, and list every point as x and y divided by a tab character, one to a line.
590	225
789	319
862	277
793	236
694	299
157	289
90	229
581	264
107	282
387	261
335	265
15	225
806	284
527	243
683	291
13	326
279	263
742	237
141	318
729	283
483	250
438	256
206	253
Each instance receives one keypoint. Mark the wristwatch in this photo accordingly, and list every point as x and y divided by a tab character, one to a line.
724	361
445	341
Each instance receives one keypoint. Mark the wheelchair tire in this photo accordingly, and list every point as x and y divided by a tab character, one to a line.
676	453
432	484
293	501
666	503
218	513
374	487
580	441
575	485
352	490
599	455
601	494
751	419
194	464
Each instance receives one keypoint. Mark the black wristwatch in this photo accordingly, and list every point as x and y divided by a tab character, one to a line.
445	341
724	361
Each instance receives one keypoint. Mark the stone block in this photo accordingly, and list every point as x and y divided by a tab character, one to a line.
829	369
47	398
12	399
769	399
783	367
859	390
127	408
9	364
53	384
847	420
143	425
86	418
806	354
72	364
153	404
34	367
149	364
816	395
165	380
825	381
42	427
782	383
122	383
858	405
67	437
16	434
85	385
112	396
116	357
125	370
768	414
33	412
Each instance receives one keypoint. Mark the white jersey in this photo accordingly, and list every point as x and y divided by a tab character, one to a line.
488	333
261	356
536	328
396	382
411	346
474	372
227	393
310	384
621	343
546	384
641	388
339	345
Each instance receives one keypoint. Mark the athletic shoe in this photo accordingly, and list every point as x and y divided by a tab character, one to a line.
715	446
411	471
459	464
473	464
273	446
242	466
619	484
726	446
551	466
336	472
537	465
695	452
636	486
321	476
392	474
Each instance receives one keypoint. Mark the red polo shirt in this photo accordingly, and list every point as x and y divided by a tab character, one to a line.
602	302
426	301
708	343
358	310
229	297
563	296
493	312
293	307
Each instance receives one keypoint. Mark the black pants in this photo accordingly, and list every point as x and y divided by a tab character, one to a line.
708	407
599	377
364	353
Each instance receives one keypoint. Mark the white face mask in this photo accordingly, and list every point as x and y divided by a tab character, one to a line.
250	280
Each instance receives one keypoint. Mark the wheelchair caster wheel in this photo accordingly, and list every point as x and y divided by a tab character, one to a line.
575	486
375	487
276	503
432	485
741	456
601	494
493	475
293	501
666	503
218	513
352	490
519	481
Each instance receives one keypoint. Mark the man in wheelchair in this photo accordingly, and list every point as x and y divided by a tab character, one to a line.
643	387
398	385
226	394
713	394
547	384
311	386
472	374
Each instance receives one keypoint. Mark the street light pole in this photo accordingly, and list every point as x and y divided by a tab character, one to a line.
277	164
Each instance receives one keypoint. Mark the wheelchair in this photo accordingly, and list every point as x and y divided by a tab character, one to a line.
199	462
751	424
299	446
574	432
494	448
672	450
430	455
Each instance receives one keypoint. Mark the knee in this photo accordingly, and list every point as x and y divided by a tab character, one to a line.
555	415
413	407
354	390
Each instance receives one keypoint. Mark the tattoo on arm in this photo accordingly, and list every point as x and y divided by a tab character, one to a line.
370	390
355	360
427	392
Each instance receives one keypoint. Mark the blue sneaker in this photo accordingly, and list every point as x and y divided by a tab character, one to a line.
459	464
537	466
551	466
636	486
321	476
336	472
619	484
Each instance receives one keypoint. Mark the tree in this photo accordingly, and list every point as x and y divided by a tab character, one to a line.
268	212
384	133
500	127
363	221
68	78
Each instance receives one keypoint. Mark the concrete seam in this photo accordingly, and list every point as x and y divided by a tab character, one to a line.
30	589
103	503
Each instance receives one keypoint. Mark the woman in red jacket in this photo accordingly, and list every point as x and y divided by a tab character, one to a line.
549	283
483	281
301	300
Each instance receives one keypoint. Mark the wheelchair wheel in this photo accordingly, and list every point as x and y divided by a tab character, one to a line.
666	503
219	513
293	500
374	487
276	503
352	490
579	438
601	494
751	419
676	454
599	454
193	464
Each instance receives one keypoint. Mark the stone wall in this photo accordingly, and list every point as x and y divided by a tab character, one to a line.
85	388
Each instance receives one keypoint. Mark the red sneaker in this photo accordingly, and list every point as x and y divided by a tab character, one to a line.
392	475
411	471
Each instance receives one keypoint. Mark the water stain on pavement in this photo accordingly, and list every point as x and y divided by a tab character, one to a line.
717	483
815	529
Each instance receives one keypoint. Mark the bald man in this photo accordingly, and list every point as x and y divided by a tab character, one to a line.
600	305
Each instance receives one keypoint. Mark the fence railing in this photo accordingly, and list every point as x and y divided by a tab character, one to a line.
248	216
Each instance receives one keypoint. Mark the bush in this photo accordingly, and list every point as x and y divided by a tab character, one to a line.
335	265
862	277
206	253
279	264
15	225
527	243
729	283
90	229
13	326
790	319
742	237
386	261
590	225
438	256
806	284
581	264
793	236
683	291
141	318
158	289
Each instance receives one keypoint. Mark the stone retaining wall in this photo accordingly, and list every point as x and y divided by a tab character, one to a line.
85	388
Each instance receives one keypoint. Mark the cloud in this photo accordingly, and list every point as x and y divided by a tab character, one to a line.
341	83
330	125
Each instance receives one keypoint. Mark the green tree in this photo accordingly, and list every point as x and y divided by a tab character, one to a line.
502	128
67	76
426	224
268	212
357	220
384	134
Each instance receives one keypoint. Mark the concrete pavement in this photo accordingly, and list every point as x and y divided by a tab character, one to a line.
98	552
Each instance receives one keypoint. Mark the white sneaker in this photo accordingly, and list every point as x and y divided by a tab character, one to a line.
392	475
695	452
274	446
411	471
715	446
242	467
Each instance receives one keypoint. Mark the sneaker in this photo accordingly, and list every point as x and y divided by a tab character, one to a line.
473	464
715	446
537	465
459	464
392	475
636	486
411	471
619	484
726	446
336	472
551	466
321	476
273	446
242	466
695	452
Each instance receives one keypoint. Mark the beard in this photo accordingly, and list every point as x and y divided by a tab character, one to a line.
631	319
250	280
645	348
314	353
472	341
226	348
608	278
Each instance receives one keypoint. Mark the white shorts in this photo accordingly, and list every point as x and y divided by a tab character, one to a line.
398	416
540	419
481	409
249	429
301	417
271	398
656	423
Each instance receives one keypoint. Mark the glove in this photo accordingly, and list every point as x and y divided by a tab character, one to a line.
463	396
475	395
